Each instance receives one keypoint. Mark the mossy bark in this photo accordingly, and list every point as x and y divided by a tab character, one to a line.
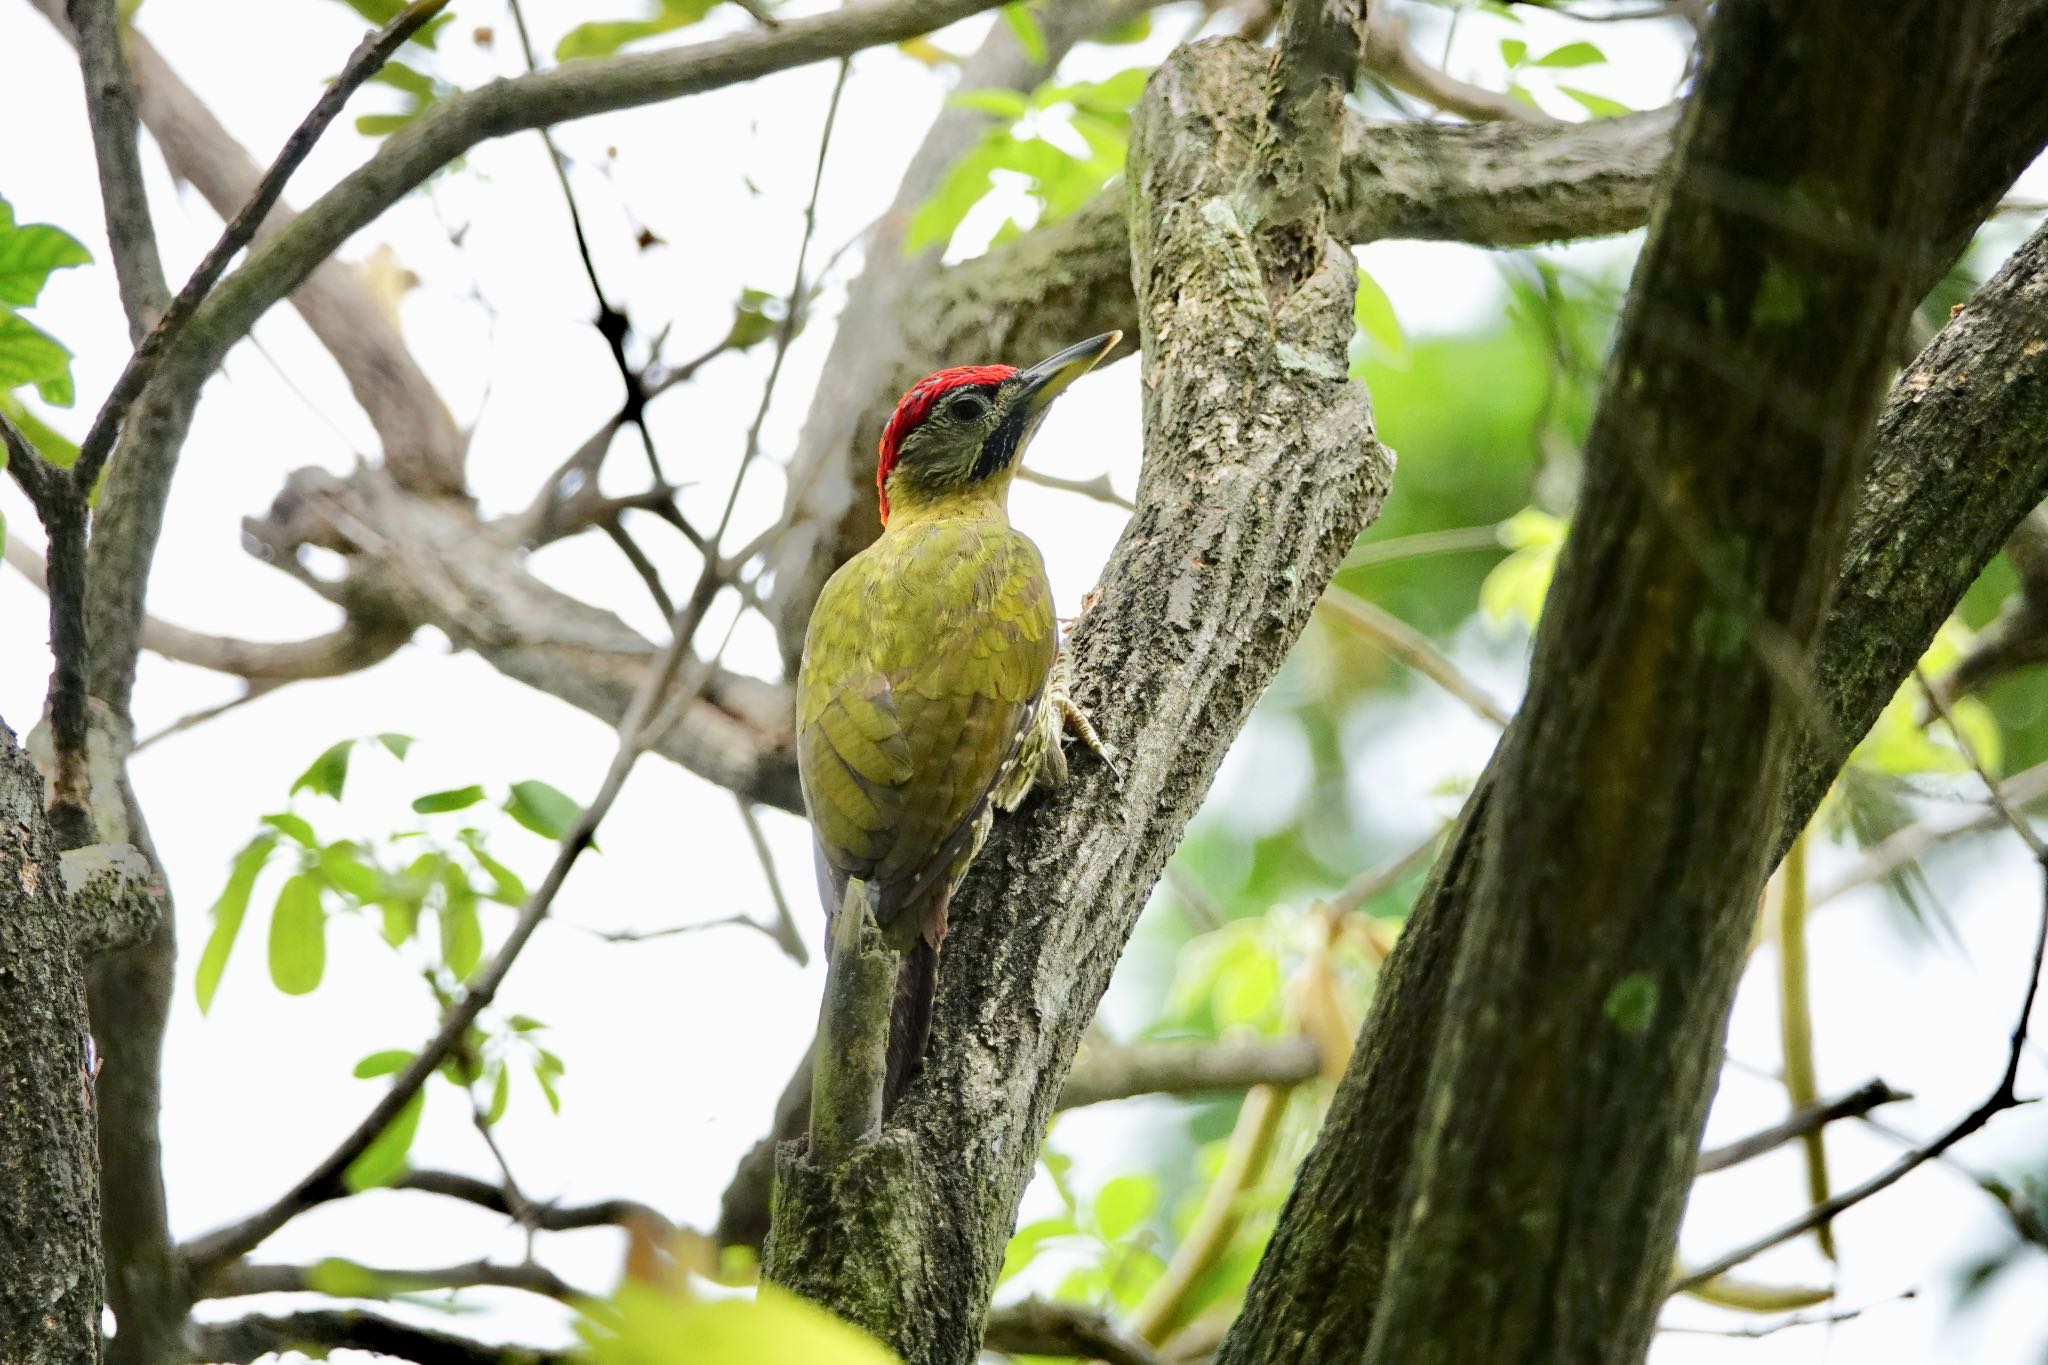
1502	1170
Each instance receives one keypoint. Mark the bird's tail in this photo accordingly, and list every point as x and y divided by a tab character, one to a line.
910	1020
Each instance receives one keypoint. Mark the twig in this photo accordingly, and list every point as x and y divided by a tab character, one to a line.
540	1217
245	1277
1858	1102
1038	1327
370	54
1906	846
246	1340
1164	1307
792	305
1411	647
1117	1073
1784	1324
2001	1098
1098	488
1201	906
785	931
1387	54
1376	881
1795	1020
327	1180
1453	541
110	107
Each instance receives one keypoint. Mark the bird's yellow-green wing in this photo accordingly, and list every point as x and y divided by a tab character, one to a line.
923	667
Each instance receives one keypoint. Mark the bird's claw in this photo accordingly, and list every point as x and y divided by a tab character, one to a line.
1076	722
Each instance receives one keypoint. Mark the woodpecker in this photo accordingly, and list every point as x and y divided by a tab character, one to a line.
928	695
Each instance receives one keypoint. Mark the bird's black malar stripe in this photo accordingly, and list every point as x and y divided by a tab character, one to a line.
999	451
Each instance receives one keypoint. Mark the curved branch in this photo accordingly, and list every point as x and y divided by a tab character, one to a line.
248	1277
246	1340
540	1217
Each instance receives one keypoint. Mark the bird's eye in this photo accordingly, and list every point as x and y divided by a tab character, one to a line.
967	407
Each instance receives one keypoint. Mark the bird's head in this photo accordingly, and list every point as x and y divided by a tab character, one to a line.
969	424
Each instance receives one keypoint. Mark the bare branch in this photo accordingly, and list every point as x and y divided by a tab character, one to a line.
369	55
246	1340
1116	1073
1411	647
1039	1327
1389	56
110	106
540	1217
1811	1119
1907	846
244	1278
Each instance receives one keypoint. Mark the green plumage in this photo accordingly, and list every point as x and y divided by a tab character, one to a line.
927	696
923	694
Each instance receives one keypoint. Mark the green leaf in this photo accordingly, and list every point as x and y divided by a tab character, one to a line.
1571	54
755	317
1518	584
329	772
1136	31
389	1062
343	1279
294	825
501	1093
1031	1239
399	745
547	1088
525	1023
1003	104
1124	1203
401	920
462	933
435	803
603	37
343	869
543	809
29	355
383	125
1030	35
29	252
50	443
228	912
643	1325
383	1161
298	936
1599	106
382	12
507	888
1513	50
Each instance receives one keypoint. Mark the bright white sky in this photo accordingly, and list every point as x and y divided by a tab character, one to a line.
677	1048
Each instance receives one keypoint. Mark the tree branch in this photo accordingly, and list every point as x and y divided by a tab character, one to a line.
244	1278
109	103
1117	1073
244	1341
1039	1327
1811	1119
539	1217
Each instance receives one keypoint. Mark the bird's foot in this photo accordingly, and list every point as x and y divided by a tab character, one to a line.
1074	721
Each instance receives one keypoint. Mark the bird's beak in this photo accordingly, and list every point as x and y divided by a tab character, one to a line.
1049	378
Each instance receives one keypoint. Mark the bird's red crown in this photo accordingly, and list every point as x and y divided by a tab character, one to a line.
918	402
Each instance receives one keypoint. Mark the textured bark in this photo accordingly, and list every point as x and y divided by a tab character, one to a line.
49	1179
1960	461
1260	470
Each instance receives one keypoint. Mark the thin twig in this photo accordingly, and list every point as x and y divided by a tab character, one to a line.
1456	540
2001	1098
328	1179
1858	1102
1906	846
1376	881
540	1217
1783	1324
1099	488
785	932
1411	647
245	1277
370	54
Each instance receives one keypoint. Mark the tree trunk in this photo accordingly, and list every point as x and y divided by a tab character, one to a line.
49	1174
1502	1171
